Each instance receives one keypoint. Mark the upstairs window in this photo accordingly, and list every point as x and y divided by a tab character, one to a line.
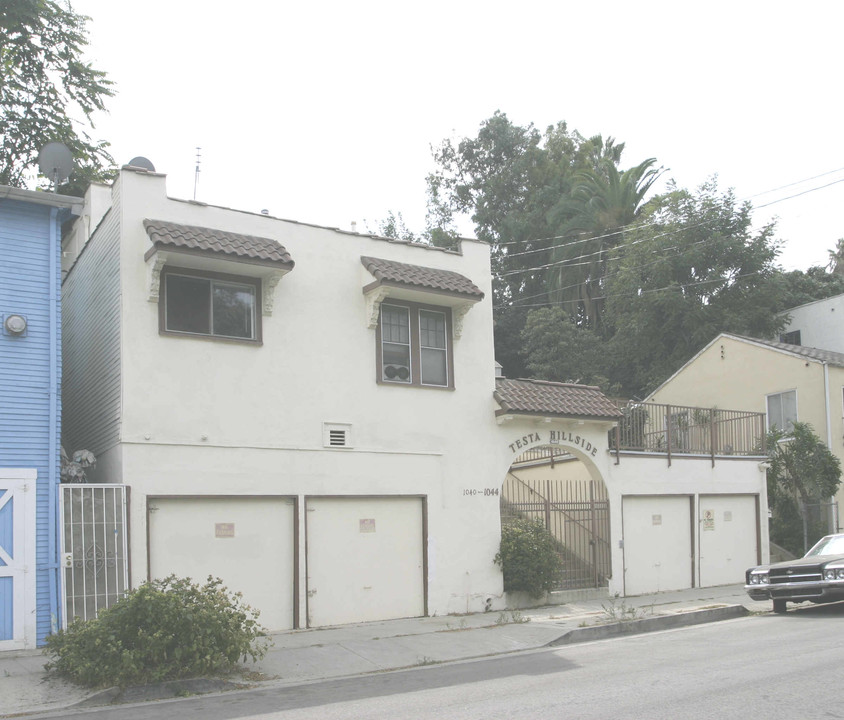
414	346
782	410
210	305
791	338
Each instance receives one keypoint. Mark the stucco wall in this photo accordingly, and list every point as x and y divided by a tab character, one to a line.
738	375
821	323
205	417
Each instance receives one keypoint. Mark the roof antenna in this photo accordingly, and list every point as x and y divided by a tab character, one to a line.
196	174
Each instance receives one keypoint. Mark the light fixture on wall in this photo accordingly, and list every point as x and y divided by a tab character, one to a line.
14	324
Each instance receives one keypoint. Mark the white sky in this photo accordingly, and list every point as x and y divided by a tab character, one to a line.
325	112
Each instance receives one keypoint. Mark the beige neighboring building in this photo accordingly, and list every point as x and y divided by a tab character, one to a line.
786	382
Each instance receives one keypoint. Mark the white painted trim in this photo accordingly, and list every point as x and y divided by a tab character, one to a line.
21	482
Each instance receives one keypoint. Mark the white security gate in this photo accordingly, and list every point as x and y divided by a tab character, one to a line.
95	544
727	532
657	543
17	559
365	559
248	542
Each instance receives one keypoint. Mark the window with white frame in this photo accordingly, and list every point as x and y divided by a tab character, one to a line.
209	305
782	410
413	345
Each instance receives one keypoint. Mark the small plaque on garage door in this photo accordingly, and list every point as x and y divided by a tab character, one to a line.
367	525
224	530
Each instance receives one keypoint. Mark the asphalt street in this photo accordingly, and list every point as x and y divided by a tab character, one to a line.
764	666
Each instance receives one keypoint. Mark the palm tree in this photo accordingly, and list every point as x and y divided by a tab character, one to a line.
603	202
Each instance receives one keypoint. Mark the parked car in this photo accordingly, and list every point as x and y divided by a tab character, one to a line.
817	577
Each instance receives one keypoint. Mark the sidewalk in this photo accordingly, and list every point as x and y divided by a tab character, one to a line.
306	655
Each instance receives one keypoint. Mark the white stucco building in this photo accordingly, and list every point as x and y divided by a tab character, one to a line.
313	414
818	324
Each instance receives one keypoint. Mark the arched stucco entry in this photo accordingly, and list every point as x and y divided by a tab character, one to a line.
571	497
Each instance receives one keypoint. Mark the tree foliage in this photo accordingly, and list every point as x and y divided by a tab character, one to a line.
648	282
803	473
513	182
556	349
691	268
163	630
601	205
48	92
528	557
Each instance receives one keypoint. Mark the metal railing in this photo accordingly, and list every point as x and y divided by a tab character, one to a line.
685	430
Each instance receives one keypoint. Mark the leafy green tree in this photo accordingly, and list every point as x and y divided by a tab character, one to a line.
691	268
836	258
604	201
45	87
803	473
508	179
816	283
556	349
394	227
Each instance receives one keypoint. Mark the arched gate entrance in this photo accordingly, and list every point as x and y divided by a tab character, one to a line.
546	483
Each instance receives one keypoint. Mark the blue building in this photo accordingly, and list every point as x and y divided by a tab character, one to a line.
30	412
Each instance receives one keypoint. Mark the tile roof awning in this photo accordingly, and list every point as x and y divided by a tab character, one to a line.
416	283
220	243
213	250
552	399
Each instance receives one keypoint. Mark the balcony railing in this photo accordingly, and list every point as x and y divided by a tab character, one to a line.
683	430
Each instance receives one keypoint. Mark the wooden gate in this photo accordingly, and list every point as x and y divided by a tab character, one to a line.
95	545
17	559
576	513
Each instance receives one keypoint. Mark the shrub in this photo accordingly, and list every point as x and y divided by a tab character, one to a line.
528	557
163	630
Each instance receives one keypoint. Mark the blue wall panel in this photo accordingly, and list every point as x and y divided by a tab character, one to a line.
30	376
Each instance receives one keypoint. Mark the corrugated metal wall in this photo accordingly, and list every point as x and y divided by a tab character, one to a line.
25	385
91	346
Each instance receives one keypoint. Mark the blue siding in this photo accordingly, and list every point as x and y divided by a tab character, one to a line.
30	376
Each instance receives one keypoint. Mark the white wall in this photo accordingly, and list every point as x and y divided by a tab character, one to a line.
205	417
821	323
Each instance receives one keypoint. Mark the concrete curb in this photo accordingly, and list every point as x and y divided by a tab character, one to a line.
651	624
159	691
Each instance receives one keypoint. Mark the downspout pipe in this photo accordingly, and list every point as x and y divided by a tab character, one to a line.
828	408
55	399
827	405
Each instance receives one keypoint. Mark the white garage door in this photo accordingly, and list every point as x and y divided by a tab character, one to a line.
657	543
365	559
728	539
248	542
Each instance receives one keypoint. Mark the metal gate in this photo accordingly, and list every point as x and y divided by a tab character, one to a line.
95	547
576	513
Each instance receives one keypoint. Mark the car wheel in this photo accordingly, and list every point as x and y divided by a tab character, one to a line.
779	606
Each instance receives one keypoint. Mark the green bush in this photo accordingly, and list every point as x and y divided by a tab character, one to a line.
163	630
528	557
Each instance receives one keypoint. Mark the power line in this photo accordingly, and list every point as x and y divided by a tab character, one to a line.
622	228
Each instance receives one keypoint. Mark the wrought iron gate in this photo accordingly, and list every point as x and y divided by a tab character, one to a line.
95	547
576	513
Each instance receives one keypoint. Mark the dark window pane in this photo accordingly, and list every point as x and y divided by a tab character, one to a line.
434	371
431	329
188	304
395	325
234	307
395	344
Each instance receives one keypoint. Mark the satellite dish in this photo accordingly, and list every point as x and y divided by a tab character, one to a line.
142	162
55	161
